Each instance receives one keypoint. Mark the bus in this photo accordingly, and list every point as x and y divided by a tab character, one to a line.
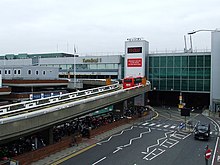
129	82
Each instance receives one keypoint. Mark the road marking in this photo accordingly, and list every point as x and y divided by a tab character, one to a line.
152	124
172	127
215	150
158	141
213	158
145	124
131	140
118	148
158	125
72	155
154	155
99	161
166	126
100	143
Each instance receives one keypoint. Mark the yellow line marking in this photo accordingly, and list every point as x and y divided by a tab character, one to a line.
72	155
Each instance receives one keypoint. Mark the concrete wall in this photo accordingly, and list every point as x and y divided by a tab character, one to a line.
215	68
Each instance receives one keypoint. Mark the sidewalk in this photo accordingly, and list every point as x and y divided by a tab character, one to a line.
86	143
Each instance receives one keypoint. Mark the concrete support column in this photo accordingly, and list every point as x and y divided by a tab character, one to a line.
118	109
140	100
50	133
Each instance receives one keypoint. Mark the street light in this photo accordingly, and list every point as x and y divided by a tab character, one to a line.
215	67
202	30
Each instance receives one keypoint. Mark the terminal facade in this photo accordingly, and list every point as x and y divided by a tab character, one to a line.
171	74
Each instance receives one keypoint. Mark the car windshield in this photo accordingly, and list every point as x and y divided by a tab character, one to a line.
202	127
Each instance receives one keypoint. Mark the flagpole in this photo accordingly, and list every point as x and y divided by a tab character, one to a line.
74	67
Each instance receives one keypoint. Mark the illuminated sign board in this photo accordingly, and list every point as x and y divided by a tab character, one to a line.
134	62
135	50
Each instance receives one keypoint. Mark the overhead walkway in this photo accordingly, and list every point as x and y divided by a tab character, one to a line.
36	115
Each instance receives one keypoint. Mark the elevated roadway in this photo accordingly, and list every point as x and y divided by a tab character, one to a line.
47	116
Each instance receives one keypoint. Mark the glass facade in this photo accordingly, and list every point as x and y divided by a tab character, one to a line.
187	72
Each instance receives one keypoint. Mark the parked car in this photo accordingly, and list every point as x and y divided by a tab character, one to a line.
202	131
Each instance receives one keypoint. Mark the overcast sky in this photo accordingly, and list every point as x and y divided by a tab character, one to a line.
40	26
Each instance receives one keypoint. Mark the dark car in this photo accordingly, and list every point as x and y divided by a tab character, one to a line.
202	131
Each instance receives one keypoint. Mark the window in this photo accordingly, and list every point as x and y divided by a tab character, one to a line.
185	62
192	86
9	71
177	61
163	73
6	71
207	61
37	72
192	61
15	71
184	85
199	61
170	61
29	71
163	61
156	62
44	72
19	71
0	71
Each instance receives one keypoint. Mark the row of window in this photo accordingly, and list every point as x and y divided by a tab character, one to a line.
84	66
18	72
183	85
37	72
9	71
200	73
180	61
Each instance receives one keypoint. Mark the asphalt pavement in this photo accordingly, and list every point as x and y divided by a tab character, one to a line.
86	144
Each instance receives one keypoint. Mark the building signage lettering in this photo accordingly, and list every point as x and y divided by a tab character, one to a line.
134	62
135	50
92	60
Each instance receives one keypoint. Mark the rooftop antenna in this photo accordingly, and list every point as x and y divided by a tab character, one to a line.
185	48
191	47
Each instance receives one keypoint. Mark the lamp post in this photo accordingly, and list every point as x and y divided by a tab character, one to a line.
215	67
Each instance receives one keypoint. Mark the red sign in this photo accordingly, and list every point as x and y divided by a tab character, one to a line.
134	62
208	153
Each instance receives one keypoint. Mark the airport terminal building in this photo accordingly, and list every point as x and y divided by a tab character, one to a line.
175	77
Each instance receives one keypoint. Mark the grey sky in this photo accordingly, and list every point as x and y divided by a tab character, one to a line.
38	26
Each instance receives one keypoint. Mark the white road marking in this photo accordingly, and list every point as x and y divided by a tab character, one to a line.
131	140
118	148
100	143
172	127
158	125
152	124
145	124
215	150
158	141
154	155
166	126
99	161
